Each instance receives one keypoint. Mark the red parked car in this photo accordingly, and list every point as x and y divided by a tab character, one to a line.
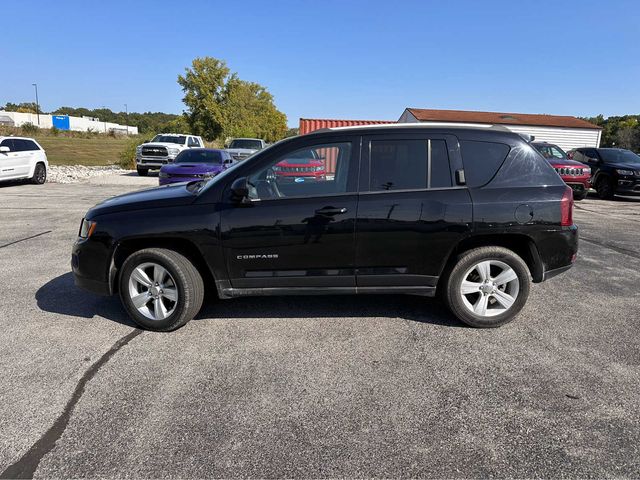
301	166
575	174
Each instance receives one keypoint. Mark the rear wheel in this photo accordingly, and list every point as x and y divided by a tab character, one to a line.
605	189
142	171
487	287
160	289
39	174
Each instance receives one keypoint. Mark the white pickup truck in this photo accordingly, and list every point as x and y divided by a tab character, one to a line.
163	149
242	148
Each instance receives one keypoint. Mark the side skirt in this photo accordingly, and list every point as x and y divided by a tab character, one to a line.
230	292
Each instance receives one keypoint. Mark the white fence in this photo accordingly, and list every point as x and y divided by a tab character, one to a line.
75	123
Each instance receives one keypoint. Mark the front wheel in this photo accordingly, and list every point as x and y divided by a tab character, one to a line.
160	289
605	189
142	171
39	174
487	287
577	196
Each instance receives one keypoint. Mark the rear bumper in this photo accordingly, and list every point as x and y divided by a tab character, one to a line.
556	271
558	251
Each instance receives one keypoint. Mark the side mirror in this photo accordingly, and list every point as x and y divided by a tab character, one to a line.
4	149
240	190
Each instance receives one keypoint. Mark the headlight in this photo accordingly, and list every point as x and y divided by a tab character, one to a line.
277	169
87	227
624	172
586	171
319	169
139	149
163	174
173	151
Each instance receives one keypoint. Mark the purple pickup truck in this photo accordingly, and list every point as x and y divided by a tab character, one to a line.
195	164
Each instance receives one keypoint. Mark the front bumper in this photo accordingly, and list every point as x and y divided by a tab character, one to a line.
170	180
150	162
91	267
628	186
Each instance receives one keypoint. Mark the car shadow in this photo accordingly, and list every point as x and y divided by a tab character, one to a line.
151	173
60	295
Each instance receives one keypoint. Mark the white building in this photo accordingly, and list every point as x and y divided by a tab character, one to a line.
566	132
65	122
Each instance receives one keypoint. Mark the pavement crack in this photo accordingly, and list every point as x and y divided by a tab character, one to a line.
26	466
623	251
23	239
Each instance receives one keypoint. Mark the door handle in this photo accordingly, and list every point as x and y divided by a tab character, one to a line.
331	211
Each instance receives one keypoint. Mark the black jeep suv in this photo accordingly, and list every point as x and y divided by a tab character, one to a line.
614	171
473	214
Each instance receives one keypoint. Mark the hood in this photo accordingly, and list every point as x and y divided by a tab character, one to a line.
565	163
167	196
161	144
191	168
624	166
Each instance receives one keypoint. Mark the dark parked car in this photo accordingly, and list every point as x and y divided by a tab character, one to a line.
470	213
614	171
575	174
195	164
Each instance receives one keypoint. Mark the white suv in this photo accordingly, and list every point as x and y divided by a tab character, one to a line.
22	157
163	149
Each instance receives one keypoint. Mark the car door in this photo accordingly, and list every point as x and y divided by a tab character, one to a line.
411	212
13	164
295	230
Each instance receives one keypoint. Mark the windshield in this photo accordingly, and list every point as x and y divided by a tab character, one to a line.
170	139
550	151
618	155
199	156
246	143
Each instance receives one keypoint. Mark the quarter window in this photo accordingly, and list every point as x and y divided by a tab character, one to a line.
306	172
409	164
482	160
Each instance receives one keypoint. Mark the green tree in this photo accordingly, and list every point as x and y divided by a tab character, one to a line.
249	111
24	107
203	87
221	105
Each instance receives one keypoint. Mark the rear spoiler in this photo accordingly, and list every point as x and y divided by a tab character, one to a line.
525	136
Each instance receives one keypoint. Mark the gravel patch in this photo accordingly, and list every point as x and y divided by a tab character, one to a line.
81	173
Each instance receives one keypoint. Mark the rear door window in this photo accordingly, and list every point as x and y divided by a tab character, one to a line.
482	160
408	164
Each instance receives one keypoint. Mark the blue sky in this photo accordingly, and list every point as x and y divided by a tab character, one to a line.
329	58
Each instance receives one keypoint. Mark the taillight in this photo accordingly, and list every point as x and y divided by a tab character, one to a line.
566	208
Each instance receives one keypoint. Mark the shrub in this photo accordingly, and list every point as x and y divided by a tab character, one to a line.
127	157
29	128
55	131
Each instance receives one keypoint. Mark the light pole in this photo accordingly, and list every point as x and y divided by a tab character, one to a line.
126	114
37	103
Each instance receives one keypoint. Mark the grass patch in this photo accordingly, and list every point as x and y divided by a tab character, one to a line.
82	151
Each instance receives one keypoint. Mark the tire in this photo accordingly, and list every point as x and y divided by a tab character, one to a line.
605	188
180	291
468	269
39	174
142	171
580	196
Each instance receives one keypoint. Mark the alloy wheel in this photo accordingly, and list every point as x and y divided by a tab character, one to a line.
489	288
153	291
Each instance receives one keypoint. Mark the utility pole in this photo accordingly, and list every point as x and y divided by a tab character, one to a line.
126	113
37	103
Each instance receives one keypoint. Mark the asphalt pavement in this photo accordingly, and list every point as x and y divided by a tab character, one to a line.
370	386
